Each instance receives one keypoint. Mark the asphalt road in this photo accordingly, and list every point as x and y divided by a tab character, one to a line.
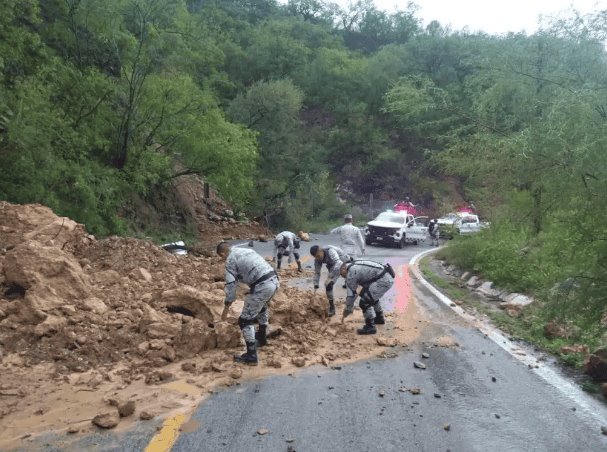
475	397
489	400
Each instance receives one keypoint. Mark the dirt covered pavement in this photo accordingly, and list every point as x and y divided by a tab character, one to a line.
121	328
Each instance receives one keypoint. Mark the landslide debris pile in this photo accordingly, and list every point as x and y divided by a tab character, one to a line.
68	298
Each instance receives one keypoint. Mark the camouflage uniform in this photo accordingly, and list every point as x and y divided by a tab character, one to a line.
333	258
434	232
286	244
376	279
249	267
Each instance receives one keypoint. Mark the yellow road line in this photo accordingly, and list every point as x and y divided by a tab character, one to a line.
163	440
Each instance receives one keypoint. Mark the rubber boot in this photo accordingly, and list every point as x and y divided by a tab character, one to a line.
250	357
261	336
379	318
278	263
369	327
299	269
331	308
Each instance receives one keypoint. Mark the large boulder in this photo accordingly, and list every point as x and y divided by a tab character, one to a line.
488	291
49	277
204	305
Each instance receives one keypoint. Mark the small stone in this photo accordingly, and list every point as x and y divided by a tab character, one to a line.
126	409
497	416
493	379
236	373
419	365
447	427
299	361
290	440
146	416
107	420
291	449
425	355
251	243
381	393
73	430
188	367
263	431
402	389
437	395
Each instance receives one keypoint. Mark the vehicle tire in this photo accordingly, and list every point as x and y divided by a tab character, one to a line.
368	241
416	242
401	244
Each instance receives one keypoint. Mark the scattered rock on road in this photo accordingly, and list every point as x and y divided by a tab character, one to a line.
126	409
263	431
107	420
146	415
419	365
447	427
604	429
236	373
425	355
299	361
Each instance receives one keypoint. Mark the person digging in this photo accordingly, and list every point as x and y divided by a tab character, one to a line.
246	265
332	257
375	279
287	244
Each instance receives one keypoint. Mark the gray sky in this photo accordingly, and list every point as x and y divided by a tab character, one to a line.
490	16
494	16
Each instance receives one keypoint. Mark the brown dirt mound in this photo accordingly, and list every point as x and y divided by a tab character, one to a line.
80	302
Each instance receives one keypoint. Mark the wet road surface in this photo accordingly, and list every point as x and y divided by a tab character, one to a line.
475	397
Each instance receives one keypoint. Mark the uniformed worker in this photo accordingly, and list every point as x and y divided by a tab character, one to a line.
351	238
243	264
434	232
287	244
375	279
332	257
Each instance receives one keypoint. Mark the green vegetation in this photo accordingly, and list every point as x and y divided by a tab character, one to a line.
105	103
528	326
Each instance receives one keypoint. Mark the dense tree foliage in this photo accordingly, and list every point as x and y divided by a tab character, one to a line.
277	103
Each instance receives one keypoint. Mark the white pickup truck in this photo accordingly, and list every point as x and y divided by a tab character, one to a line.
460	223
396	228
